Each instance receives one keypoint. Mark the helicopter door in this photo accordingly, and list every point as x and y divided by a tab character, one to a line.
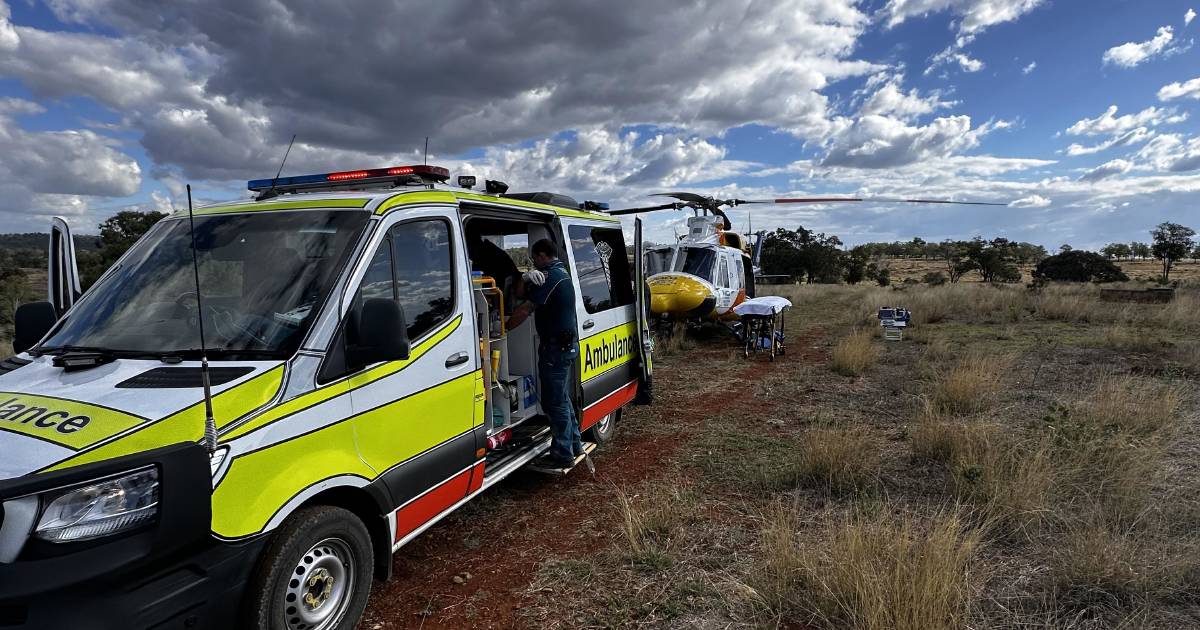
63	283
642	305
725	288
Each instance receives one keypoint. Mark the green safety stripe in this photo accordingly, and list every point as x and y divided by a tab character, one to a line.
447	197
340	387
187	425
254	206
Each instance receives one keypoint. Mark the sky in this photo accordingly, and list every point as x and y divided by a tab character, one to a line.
1082	115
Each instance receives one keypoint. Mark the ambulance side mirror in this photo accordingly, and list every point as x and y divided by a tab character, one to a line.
31	322
382	334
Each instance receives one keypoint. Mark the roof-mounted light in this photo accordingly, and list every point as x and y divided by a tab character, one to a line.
351	179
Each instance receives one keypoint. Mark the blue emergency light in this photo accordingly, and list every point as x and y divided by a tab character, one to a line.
349	179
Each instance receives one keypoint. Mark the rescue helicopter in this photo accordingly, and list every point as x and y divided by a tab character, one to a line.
711	269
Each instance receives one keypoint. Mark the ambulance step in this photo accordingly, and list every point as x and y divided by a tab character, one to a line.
511	460
561	471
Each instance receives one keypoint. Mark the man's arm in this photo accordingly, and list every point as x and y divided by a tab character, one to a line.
520	314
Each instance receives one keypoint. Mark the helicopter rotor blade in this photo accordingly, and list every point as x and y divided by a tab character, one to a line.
686	196
864	200
665	206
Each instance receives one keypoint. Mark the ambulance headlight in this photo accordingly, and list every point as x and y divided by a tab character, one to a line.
100	509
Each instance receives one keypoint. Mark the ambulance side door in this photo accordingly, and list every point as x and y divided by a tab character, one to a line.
415	420
606	312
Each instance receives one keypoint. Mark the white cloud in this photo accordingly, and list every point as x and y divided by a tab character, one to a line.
973	16
1109	123
9	40
1189	16
1032	201
1187	89
1130	54
1171	153
1134	136
892	100
1030	68
1111	168
881	142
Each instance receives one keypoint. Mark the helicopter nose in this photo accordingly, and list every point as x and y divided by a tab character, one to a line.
680	296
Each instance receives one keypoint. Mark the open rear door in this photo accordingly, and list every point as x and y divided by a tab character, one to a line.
64	287
645	393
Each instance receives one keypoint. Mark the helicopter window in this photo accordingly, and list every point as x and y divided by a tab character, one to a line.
696	261
658	261
723	274
602	266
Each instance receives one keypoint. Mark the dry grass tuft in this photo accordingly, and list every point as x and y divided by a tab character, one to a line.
652	520
677	342
1125	339
1131	405
838	461
870	572
855	353
972	384
1097	566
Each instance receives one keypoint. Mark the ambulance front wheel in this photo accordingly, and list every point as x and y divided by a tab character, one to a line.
315	574
604	429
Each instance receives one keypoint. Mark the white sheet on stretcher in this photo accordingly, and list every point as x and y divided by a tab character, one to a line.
766	305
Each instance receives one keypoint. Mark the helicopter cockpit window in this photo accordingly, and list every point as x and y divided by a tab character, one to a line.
658	261
696	261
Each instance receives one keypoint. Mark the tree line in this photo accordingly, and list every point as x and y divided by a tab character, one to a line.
815	257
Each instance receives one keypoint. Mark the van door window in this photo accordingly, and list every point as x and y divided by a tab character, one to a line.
602	267
424	273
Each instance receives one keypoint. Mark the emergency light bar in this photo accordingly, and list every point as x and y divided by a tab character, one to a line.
357	178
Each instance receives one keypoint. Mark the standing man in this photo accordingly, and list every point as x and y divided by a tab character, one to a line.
552	301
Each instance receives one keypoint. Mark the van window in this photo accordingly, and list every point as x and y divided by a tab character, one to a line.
424	271
602	266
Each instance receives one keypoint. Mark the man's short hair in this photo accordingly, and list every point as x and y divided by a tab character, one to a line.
546	247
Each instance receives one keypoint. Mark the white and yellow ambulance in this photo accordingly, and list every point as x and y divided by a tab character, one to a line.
362	384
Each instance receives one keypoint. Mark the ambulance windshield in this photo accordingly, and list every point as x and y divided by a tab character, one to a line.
263	278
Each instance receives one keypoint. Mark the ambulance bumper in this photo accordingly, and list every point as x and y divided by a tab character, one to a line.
197	591
171	574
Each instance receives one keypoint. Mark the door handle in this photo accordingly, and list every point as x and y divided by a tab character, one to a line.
587	325
457	359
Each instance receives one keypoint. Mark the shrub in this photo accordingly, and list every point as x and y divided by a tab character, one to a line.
855	353
934	278
1078	266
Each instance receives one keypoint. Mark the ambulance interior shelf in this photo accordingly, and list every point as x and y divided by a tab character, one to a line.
509	365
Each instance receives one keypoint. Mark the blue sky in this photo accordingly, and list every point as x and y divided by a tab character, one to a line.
104	106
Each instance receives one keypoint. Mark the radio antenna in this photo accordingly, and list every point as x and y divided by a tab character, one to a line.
210	425
271	191
426	150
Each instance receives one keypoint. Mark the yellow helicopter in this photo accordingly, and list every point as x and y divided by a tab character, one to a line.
711	269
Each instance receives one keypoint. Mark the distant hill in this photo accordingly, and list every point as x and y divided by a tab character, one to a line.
41	241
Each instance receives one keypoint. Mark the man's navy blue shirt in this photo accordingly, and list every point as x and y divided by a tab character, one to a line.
555	301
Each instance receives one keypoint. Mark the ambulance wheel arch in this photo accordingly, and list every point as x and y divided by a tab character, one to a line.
315	574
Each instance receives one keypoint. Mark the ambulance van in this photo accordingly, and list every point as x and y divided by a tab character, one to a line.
363	386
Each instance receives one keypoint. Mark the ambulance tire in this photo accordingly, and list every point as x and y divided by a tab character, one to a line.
312	547
604	429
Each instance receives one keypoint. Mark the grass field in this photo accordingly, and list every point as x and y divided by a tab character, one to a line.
905	268
1019	460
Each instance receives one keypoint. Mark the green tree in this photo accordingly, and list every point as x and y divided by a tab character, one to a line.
810	255
856	265
1078	266
1172	242
1116	251
1139	250
117	234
